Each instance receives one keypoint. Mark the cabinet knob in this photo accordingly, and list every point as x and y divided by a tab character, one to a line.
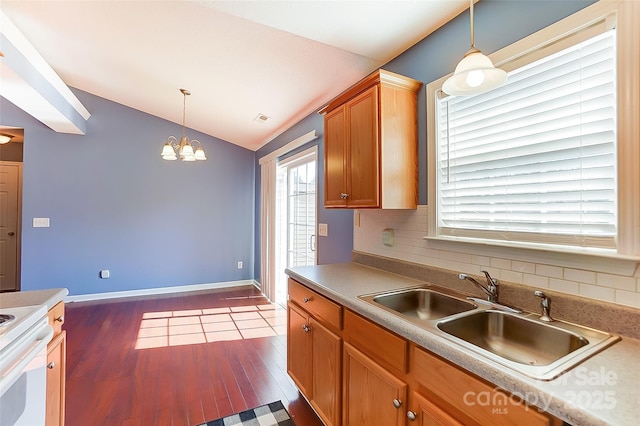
411	416
11	233
397	403
60	318
344	196
306	299
306	328
51	365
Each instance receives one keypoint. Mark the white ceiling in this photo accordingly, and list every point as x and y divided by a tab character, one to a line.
283	59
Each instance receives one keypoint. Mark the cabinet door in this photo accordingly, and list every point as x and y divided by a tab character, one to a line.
369	392
56	356
335	160
299	349
327	372
429	414
363	150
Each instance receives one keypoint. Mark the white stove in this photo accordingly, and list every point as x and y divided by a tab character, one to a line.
24	335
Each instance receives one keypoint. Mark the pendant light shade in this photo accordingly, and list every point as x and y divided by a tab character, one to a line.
475	73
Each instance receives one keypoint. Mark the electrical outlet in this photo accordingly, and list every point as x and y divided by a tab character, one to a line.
240	264
323	229
104	274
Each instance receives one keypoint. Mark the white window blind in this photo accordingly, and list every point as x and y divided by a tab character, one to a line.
535	160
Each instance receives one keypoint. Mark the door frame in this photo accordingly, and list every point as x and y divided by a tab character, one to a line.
18	230
303	157
268	164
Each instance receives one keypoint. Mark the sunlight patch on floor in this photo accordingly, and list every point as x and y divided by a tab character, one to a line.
199	326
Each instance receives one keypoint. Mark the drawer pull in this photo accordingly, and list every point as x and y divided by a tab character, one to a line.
411	416
306	299
397	403
60	318
51	365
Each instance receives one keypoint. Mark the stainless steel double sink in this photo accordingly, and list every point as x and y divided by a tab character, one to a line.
522	342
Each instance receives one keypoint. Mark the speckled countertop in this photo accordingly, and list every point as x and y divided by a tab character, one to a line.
49	297
604	389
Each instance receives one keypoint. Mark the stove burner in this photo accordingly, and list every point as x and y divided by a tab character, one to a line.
6	319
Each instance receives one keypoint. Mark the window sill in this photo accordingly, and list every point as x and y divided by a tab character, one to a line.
598	260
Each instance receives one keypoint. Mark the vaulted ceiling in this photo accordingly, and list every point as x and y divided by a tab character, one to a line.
239	59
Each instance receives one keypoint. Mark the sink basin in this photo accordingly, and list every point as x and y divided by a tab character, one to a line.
420	304
535	348
514	338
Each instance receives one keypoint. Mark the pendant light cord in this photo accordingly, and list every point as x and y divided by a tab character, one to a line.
473	41
184	111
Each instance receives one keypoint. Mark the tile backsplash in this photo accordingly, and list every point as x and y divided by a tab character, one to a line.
409	228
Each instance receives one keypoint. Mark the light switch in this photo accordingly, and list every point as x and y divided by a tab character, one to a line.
323	229
40	222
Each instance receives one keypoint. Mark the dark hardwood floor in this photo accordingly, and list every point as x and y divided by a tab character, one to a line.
179	359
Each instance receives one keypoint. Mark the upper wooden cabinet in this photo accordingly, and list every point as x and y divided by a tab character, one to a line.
371	144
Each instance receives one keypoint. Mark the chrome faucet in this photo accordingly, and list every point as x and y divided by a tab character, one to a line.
546	306
491	289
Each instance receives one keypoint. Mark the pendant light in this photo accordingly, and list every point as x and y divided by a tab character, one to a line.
475	73
184	149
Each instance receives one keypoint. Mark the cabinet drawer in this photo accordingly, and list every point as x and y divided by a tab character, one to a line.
56	317
381	345
318	306
479	400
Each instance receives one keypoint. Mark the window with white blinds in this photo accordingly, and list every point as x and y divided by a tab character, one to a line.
535	160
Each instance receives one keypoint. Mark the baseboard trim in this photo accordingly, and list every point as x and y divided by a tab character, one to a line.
160	290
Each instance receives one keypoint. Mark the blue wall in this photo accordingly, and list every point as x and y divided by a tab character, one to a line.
337	246
115	204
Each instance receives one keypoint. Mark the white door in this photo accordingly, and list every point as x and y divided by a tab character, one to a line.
10	177
295	216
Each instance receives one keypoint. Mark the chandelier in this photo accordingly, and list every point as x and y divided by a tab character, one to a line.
182	148
475	73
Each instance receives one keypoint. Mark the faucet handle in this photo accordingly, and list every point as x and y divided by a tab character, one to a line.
490	279
545	302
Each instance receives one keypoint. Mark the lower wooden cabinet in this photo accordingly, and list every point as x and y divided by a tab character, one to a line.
372	395
314	363
467	398
429	414
56	356
299	349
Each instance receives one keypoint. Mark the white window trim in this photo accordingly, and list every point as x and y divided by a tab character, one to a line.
625	13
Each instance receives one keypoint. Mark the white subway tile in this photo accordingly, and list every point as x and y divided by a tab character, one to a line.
549	271
564	286
628	298
524	267
481	260
595	292
447	255
463	258
616	281
511	276
587	277
535	280
500	263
